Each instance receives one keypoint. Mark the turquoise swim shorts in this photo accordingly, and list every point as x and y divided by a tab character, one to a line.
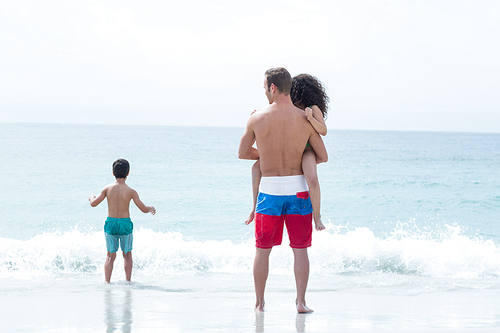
118	226
118	231
125	242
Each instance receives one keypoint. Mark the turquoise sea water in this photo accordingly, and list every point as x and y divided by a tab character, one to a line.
405	211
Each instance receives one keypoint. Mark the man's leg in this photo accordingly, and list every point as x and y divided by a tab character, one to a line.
301	270
108	266
260	272
128	263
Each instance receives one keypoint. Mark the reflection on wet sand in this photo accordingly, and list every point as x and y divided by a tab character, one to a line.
300	321
259	321
118	315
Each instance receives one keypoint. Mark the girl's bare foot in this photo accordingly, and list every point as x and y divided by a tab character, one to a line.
250	217
319	224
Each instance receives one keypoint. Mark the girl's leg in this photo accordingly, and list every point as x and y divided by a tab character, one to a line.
256	176
310	172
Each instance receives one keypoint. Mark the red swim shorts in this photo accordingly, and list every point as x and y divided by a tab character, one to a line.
283	201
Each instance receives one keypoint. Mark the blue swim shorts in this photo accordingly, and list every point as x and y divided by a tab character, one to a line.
283	201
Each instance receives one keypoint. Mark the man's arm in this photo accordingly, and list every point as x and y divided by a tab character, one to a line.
94	201
319	147
141	205
246	151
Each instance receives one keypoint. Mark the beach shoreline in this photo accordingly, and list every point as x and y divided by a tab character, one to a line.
86	304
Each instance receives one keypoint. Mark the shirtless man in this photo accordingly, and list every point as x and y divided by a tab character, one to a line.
118	227
281	132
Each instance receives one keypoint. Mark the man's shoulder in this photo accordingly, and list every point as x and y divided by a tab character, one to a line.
258	116
260	112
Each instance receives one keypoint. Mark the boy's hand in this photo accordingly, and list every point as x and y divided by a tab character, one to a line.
152	210
92	197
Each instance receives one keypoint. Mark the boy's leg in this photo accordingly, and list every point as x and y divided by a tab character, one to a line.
128	263
256	176
112	247
126	243
108	266
311	175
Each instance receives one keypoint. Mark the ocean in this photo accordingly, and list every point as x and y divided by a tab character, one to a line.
406	214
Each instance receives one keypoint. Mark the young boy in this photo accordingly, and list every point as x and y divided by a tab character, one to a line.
118	226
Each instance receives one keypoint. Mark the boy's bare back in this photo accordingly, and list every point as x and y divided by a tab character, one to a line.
119	195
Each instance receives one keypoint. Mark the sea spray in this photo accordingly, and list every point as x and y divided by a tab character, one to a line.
451	255
335	251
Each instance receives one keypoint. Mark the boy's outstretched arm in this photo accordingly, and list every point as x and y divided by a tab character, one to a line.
94	201
141	205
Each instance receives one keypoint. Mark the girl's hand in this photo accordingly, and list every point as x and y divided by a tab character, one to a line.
309	113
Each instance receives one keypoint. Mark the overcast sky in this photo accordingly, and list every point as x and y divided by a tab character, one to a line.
388	65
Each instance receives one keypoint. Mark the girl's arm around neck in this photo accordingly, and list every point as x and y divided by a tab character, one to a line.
315	117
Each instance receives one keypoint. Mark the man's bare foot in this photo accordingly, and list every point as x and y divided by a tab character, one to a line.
319	224
250	218
302	308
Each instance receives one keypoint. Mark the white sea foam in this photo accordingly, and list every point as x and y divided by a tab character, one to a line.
337	251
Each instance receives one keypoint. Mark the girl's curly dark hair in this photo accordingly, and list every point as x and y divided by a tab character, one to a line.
307	91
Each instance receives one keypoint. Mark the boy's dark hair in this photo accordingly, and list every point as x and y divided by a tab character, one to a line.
307	91
281	79
121	168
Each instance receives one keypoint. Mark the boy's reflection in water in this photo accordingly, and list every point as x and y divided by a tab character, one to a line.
118	315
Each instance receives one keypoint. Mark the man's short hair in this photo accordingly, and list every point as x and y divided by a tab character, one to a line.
121	168
281	79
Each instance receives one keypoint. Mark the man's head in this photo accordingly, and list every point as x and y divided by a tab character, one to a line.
121	168
280	78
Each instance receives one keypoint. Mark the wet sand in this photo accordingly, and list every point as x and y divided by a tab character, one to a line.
91	306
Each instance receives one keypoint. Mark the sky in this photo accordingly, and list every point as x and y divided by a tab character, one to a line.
412	65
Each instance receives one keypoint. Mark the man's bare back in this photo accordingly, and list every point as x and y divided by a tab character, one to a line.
281	131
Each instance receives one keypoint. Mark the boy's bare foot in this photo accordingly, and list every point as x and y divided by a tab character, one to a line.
319	224
250	217
259	307
302	308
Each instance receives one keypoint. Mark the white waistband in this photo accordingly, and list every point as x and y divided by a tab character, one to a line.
285	185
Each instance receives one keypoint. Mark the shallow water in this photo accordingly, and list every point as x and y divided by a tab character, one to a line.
407	213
